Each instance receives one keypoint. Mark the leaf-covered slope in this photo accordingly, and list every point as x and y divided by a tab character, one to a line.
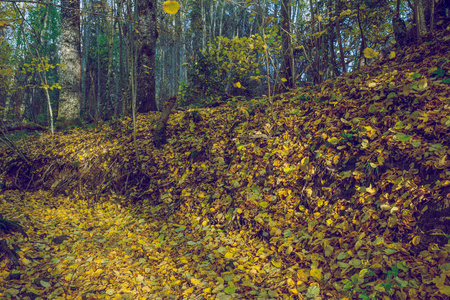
337	190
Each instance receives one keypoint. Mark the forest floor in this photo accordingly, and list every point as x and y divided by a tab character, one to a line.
337	191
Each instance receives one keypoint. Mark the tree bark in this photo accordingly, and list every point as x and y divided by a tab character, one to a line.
338	29
70	76
148	35
286	41
159	136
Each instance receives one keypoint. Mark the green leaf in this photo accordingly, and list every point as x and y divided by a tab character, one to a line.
390	251
355	262
446	80
435	147
45	284
415	76
313	291
347	284
229	290
222	296
439	73
402	137
263	204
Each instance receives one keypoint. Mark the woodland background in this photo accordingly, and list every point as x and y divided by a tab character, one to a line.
91	61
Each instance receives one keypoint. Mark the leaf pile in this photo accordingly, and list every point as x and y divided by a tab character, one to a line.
338	190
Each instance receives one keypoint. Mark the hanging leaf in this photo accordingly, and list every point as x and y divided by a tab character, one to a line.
171	7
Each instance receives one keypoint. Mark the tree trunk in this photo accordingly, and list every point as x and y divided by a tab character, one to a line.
338	29
159	136
70	76
148	35
288	53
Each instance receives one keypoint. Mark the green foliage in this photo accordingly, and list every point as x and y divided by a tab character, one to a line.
228	69
42	65
361	283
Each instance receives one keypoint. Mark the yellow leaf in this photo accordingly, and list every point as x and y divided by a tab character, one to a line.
195	281
305	160
316	273
370	53
416	240
238	85
277	264
391	55
302	275
346	13
423	84
171	7
370	131
283	79
333	140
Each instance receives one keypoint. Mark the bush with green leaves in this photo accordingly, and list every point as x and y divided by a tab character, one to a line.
227	69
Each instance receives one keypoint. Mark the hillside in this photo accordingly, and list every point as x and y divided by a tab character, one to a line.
340	190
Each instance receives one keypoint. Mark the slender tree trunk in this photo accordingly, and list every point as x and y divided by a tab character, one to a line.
98	115
288	53
335	71
419	19
338	29
362	58
70	76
